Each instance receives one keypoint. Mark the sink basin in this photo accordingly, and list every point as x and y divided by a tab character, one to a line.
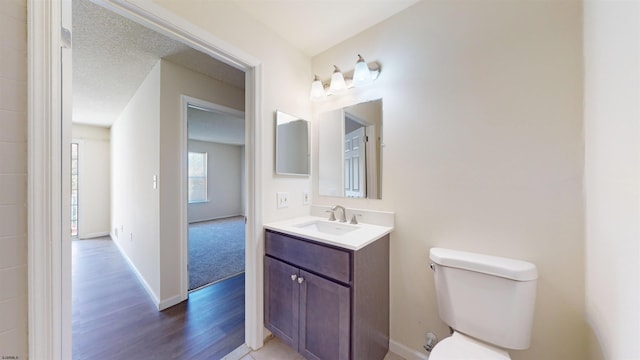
320	229
327	227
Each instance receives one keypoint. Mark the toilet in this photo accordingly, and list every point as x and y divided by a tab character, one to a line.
487	301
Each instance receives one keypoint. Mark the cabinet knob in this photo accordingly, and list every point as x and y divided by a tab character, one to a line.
293	277
300	280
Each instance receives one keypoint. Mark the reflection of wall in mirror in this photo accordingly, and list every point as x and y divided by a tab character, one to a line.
330	177
293	145
371	112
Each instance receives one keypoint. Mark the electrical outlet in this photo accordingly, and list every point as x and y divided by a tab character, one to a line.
305	197
130	236
283	199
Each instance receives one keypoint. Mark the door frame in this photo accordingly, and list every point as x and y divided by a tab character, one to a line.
185	101
49	246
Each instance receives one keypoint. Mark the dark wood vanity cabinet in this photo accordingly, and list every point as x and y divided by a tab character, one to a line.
311	316
327	302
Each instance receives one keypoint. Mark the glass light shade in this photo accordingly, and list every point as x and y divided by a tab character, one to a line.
338	85
361	74
317	90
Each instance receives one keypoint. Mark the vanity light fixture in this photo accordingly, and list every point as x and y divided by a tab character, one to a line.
363	75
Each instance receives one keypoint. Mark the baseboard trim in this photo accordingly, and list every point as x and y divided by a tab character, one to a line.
94	235
215	218
239	353
164	304
405	351
145	285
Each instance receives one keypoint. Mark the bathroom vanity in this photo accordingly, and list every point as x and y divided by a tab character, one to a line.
325	300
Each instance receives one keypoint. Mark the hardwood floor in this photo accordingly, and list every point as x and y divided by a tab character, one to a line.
114	318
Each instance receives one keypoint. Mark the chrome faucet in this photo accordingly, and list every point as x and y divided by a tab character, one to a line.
343	215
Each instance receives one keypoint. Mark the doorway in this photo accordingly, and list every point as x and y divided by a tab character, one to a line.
49	285
215	178
144	218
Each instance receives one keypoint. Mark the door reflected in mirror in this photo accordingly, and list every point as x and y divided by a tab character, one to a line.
292	145
350	151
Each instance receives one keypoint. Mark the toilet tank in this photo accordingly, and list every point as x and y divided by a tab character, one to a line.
487	297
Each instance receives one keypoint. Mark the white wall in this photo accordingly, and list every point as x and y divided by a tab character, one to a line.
94	190
135	144
224	181
612	176
330	160
13	178
482	114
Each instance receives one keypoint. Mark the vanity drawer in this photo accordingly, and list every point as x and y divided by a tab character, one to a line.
320	259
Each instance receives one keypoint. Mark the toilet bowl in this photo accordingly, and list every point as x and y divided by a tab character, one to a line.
459	346
487	300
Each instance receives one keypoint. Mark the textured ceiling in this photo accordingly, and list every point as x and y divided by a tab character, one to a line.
113	55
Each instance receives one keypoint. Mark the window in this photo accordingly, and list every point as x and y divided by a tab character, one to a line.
197	177
74	190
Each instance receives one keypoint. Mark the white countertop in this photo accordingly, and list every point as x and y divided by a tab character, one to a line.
353	240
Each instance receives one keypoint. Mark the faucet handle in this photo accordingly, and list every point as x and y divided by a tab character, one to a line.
332	215
353	219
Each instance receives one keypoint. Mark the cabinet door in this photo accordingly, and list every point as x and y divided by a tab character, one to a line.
324	318
281	300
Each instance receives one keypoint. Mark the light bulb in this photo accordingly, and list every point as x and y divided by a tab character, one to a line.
317	90
361	73
338	86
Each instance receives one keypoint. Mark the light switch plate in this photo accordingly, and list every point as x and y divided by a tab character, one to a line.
305	197
283	200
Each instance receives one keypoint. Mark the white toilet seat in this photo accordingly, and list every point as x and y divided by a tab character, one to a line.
461	347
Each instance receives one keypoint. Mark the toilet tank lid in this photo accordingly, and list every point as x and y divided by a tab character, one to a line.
493	265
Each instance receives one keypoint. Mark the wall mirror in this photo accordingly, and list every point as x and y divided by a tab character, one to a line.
292	145
350	151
